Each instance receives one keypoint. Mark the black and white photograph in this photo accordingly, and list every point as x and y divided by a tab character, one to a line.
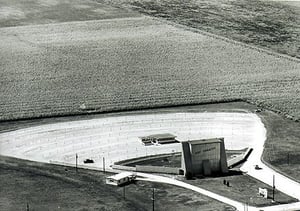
149	105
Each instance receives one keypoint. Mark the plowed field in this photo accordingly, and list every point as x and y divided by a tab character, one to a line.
271	24
131	63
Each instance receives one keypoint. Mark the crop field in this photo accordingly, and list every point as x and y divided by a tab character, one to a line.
274	25
24	12
70	57
132	63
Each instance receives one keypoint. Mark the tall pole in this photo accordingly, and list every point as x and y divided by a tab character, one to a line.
124	192
103	163
153	199
273	187
76	162
246	206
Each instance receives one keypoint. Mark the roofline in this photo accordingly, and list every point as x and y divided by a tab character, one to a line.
210	140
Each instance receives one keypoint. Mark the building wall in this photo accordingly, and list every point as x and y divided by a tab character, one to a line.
204	157
201	152
157	169
186	160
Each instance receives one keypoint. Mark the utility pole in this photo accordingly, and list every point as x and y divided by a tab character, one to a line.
246	206
103	163
76	163
273	187
153	199
124	192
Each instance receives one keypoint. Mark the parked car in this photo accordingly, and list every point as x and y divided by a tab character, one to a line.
257	167
88	161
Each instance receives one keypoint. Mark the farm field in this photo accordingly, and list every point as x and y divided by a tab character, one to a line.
23	12
273	25
133	63
67	57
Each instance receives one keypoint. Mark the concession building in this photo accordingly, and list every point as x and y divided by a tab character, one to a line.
164	138
204	157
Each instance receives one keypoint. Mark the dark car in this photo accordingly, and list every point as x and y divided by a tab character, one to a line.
88	161
257	167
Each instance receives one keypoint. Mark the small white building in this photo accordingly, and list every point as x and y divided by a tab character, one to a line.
121	178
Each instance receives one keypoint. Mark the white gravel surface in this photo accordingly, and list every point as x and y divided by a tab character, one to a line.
117	138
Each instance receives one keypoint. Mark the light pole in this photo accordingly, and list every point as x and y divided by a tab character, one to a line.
124	192
273	187
153	199
103	163
76	162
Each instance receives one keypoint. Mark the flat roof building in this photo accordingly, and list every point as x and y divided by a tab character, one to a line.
163	138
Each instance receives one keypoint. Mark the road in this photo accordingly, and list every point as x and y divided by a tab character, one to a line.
265	174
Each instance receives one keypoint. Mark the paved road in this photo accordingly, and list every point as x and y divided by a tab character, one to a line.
265	174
